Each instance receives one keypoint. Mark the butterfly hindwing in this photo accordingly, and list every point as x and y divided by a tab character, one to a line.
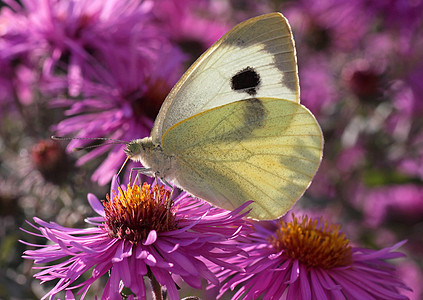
261	149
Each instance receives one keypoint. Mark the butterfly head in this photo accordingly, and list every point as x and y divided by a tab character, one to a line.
136	148
151	156
135	151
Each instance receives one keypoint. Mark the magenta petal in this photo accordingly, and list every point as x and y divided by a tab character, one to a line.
167	247
141	267
304	283
318	291
114	184
151	238
128	250
113	285
150	260
119	254
295	271
124	272
183	262
165	279
69	295
96	204
141	253
326	281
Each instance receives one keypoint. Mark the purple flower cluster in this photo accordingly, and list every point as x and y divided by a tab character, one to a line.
142	232
109	64
102	68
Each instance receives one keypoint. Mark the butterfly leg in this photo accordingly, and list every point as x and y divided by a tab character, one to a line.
166	183
140	170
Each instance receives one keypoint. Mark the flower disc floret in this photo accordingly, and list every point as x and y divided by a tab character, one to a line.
134	213
313	243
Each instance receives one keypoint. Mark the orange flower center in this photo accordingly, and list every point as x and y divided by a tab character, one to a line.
313	243
133	213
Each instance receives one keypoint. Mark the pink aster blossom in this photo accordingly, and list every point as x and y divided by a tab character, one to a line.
107	63
116	65
17	74
404	16
137	236
337	25
413	277
120	102
309	259
69	34
193	25
317	73
393	202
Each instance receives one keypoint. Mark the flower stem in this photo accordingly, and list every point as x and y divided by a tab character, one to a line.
155	286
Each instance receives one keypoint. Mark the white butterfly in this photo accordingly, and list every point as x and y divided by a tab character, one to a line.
232	128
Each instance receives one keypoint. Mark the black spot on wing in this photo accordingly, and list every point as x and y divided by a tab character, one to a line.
247	80
276	39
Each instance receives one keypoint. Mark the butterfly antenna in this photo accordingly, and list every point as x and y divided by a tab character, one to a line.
112	141
61	138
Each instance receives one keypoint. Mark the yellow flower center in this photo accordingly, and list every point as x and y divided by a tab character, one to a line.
313	243
133	213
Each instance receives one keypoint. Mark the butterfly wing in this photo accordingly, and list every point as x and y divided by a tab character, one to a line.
255	59
261	149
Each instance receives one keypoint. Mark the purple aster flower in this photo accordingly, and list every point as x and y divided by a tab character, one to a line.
193	25
363	78
109	56
140	233
397	202
397	14
16	85
413	277
318	90
17	74
413	99
243	9
69	34
118	65
327	24
14	38
403	126
350	159
50	160
120	103
311	259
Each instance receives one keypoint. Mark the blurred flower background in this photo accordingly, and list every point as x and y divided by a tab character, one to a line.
101	68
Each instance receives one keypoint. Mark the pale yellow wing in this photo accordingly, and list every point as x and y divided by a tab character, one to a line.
255	59
261	149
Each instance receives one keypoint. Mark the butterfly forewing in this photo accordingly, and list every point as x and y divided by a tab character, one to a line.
255	59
